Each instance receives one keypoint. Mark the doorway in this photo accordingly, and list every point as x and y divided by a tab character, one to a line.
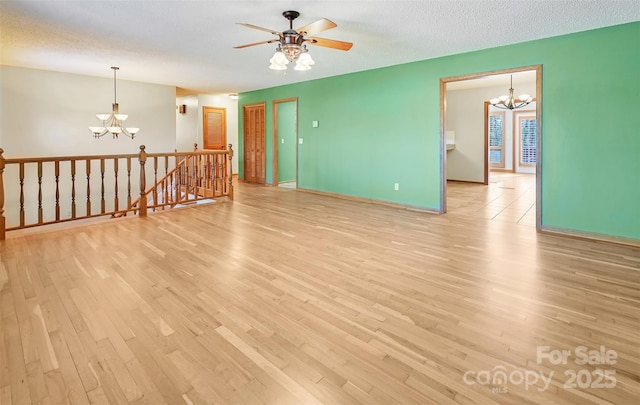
478	168
285	142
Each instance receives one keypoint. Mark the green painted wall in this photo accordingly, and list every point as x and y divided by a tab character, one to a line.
287	141
381	127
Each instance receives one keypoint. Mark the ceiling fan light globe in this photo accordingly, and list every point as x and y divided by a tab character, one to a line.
306	59
279	58
275	66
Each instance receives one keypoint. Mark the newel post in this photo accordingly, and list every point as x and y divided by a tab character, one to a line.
2	219
230	170
142	157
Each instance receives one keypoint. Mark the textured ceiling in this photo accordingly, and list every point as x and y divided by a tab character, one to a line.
189	44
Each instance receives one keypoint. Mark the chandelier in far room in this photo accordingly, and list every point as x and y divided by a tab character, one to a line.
112	122
509	102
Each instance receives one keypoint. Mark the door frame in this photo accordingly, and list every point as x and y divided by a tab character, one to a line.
274	108
443	139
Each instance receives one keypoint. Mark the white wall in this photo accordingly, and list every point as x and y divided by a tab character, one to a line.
465	116
48	114
187	124
45	113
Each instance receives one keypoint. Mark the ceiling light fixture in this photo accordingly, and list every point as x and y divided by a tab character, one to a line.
291	53
112	123
509	102
291	48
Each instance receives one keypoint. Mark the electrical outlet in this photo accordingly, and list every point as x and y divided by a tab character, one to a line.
396	186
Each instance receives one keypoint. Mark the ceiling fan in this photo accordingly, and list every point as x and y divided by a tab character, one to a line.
292	43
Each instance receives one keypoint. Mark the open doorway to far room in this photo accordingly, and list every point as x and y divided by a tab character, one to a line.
490	156
285	143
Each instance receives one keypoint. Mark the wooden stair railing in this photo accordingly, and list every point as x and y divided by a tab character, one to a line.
200	175
49	190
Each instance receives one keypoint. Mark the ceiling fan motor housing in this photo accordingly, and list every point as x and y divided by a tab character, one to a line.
290	15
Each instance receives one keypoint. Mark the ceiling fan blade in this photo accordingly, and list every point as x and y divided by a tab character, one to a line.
255	43
255	27
330	43
316	27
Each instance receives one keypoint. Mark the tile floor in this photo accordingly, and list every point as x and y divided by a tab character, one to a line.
509	197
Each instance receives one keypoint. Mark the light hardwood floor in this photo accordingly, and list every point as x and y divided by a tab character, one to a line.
287	297
509	197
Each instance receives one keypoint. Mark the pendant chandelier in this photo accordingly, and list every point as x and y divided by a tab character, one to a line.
112	122
509	102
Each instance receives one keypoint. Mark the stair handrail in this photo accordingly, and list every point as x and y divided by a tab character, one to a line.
62	177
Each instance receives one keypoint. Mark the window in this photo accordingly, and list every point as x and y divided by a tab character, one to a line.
528	128
496	139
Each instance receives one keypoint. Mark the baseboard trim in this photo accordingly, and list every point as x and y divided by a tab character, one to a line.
590	236
370	201
466	181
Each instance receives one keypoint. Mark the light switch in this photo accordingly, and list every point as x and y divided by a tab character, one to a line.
282	140
300	141
314	124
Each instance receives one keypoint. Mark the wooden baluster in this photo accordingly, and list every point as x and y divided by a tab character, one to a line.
217	179
142	157
193	177
198	175
210	175
102	205
155	182
166	184
40	193
88	165
178	179
221	173
128	183
116	201
3	222
188	176
21	194
230	172
57	173
73	189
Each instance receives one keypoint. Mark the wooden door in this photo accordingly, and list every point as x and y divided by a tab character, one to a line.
214	128
254	141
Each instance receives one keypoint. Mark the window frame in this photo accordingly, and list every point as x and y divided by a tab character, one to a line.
502	162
